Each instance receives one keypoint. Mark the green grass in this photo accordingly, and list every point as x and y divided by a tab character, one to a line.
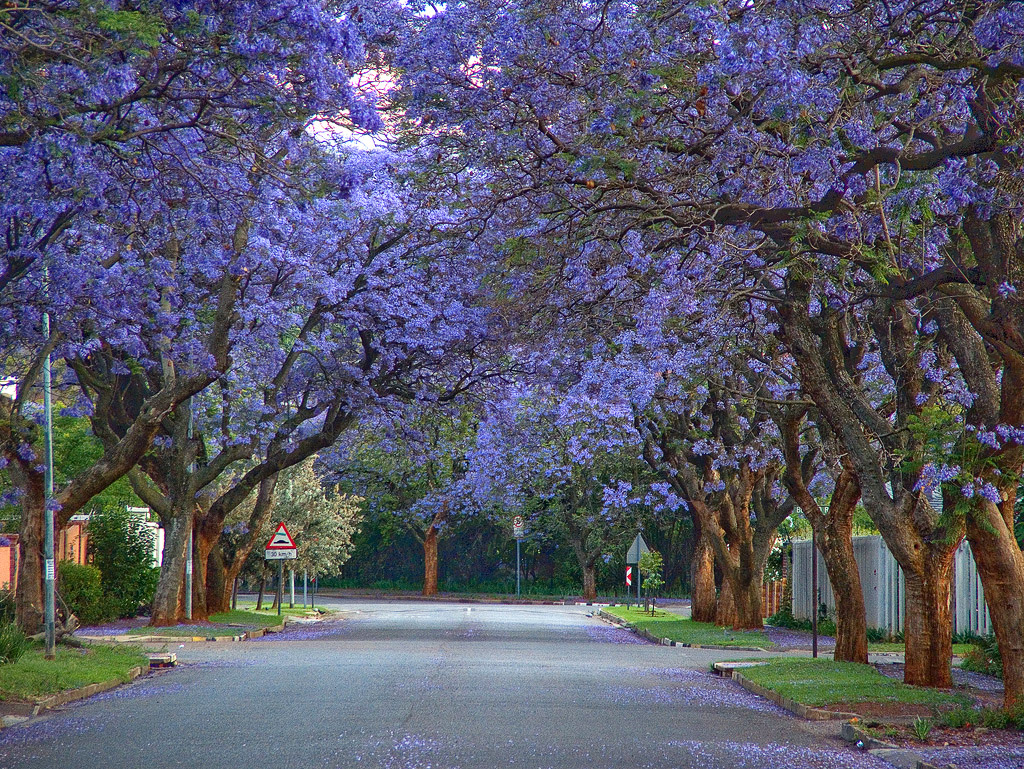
33	677
681	630
899	646
825	682
225	623
296	611
189	631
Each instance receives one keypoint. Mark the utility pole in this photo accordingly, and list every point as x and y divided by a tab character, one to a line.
49	611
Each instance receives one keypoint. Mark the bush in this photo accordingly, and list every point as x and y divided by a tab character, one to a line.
13	643
984	657
8	607
122	549
81	588
784	618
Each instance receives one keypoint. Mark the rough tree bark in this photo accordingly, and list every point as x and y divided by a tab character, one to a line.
704	602
430	550
834	531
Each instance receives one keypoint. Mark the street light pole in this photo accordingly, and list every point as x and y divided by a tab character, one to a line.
188	552
49	611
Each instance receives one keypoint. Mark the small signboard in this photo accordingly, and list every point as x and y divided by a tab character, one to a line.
518	527
638	548
629	576
281	546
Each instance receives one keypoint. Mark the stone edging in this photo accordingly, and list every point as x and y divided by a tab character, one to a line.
35	707
797	708
669	642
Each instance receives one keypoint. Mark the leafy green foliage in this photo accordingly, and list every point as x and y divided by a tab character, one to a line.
122	549
81	588
984	657
964	717
13	643
921	727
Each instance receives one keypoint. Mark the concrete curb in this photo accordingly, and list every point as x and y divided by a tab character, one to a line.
899	757
797	708
669	642
35	707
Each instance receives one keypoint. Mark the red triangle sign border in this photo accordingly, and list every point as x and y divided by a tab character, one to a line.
276	543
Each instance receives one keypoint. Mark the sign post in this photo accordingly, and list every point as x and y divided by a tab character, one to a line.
518	529
638	548
280	548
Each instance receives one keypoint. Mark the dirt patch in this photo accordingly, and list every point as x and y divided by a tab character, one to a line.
971	738
881	711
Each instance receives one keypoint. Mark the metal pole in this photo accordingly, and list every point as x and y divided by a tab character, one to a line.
517	566
305	576
814	593
280	586
49	611
188	552
291	581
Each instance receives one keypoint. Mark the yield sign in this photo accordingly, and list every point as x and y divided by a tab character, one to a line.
281	540
638	548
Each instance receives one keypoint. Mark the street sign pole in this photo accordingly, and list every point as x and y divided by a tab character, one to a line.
517	566
291	584
280	586
305	582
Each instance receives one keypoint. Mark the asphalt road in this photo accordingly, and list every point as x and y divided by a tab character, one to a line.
417	685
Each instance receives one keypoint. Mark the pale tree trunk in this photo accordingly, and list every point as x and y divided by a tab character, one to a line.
704	602
1001	567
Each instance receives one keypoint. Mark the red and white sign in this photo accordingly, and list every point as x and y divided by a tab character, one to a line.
629	576
281	546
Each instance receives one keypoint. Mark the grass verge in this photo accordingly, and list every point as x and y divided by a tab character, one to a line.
33	677
227	623
899	646
681	630
826	682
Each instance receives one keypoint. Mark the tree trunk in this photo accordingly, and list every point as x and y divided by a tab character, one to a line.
430	562
30	600
851	618
589	582
259	597
430	551
726	613
1001	567
704	602
167	602
747	594
217	585
928	624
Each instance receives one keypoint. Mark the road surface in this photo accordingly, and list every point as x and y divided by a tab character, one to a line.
412	685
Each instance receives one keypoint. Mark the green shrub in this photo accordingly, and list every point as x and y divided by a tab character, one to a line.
81	588
122	549
784	618
13	643
991	718
8	607
984	657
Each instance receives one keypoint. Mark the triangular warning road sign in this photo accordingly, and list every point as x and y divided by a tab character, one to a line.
281	540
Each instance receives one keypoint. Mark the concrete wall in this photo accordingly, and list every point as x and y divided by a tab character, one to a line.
884	589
